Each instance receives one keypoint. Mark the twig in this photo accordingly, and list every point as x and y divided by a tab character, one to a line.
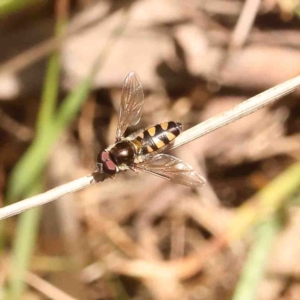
258	208
241	32
10	125
244	24
46	197
46	288
37	52
241	110
30	56
245	108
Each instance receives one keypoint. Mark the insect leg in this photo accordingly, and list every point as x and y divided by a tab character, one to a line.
99	168
134	169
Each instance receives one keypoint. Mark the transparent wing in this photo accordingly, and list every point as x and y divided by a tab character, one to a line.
172	168
132	101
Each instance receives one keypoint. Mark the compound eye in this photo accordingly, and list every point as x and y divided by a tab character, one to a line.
109	167
103	156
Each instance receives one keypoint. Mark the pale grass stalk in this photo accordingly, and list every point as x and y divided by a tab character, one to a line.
239	111
244	24
46	197
245	108
46	288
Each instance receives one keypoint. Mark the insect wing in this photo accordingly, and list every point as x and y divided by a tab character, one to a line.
132	101
173	169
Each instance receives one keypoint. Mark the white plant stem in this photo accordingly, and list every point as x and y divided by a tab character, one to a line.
239	111
46	197
245	108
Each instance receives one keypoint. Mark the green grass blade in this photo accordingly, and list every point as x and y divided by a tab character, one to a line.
34	160
27	171
28	223
263	207
50	92
23	250
266	202
254	268
10	6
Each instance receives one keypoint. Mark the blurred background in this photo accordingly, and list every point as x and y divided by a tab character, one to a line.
62	66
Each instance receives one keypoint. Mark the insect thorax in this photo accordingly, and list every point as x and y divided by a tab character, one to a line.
123	153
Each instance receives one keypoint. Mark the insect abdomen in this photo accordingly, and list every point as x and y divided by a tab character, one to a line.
156	137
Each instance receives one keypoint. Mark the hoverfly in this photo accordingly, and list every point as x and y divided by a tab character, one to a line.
140	151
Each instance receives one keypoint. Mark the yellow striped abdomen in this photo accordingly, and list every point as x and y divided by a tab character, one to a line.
156	137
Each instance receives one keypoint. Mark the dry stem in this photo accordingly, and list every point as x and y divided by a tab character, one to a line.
245	108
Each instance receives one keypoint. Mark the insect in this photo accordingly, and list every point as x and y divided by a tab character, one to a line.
141	150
